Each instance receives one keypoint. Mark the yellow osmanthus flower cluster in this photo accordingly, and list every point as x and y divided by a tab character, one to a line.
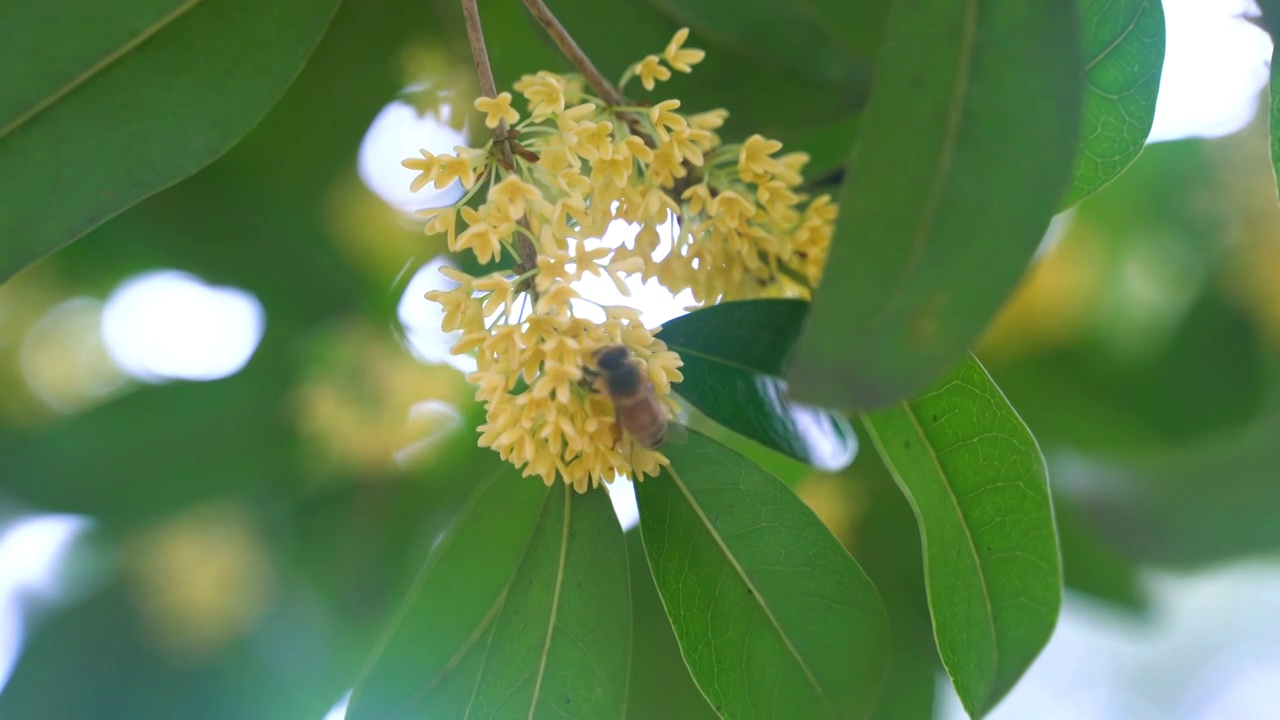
735	223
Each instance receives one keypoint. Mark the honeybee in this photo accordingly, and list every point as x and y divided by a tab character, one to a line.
635	405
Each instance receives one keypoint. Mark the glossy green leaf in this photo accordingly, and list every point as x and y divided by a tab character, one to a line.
115	102
734	357
660	684
1123	54
523	609
963	156
773	616
977	483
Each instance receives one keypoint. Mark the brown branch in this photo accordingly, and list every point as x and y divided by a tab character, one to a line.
501	138
579	59
484	71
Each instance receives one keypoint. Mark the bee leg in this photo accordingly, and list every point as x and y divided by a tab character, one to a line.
617	430
590	380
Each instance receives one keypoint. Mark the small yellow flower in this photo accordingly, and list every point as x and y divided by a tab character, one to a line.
686	149
755	161
545	93
441	220
664	117
594	140
615	169
789	167
427	166
709	120
666	165
510	196
568	120
679	57
461	166
481	237
497	109
698	197
651	71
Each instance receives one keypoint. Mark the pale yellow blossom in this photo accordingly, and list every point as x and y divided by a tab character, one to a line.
679	57
497	109
651	71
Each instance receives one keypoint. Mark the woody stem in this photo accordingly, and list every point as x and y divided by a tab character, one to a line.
597	82
528	254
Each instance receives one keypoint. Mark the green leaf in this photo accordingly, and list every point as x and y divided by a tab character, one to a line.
1271	22
1124	54
1093	567
773	616
858	25
112	105
517	613
1271	17
978	486
734	357
886	544
660	685
964	153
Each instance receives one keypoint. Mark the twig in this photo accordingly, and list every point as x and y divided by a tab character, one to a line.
501	138
484	71
581	62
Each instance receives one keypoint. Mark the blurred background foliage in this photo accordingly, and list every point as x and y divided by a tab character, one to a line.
248	536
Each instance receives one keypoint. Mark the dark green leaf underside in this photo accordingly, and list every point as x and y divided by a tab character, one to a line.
734	357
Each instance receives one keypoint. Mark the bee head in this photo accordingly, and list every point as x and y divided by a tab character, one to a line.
612	358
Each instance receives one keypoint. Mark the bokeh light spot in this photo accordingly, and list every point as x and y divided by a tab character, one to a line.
170	325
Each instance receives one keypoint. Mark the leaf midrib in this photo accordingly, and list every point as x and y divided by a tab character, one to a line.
973	548
1133	22
946	157
555	601
683	350
755	593
96	68
433	561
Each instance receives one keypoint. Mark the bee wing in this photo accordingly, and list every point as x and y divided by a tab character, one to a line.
677	433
